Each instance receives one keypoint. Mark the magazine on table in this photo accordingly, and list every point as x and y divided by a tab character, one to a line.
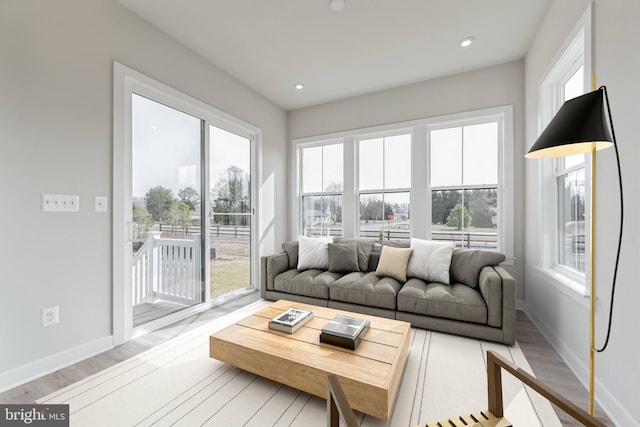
291	320
346	327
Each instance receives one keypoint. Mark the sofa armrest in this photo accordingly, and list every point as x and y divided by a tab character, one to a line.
271	266
498	290
508	305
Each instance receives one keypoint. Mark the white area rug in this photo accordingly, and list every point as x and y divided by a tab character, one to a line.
177	383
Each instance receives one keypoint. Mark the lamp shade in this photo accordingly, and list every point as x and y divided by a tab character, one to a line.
579	125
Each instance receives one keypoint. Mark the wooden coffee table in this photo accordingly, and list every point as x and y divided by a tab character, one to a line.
370	375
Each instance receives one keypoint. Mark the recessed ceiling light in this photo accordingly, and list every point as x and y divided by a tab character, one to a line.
466	41
299	86
337	5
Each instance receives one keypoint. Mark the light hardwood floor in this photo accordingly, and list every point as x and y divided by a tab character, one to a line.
544	361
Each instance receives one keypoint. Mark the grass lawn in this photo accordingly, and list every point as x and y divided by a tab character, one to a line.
228	275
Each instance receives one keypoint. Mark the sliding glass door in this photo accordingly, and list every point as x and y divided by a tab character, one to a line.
183	205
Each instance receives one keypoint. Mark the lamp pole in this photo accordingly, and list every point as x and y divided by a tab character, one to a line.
592	296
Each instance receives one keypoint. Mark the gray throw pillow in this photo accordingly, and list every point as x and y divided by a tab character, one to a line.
467	263
291	248
364	250
343	257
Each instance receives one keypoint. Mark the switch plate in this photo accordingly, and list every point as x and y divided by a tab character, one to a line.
50	316
101	204
60	203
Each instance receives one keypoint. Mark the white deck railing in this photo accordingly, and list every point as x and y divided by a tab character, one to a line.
167	269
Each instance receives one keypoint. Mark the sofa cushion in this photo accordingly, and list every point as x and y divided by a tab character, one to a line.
291	248
430	261
393	262
467	263
456	301
367	289
364	250
313	252
311	283
343	257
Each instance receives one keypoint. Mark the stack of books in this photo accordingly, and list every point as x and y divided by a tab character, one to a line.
344	331
291	320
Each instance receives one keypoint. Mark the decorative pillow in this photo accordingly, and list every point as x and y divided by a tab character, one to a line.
397	243
430	260
313	252
291	248
467	263
343	257
364	250
393	262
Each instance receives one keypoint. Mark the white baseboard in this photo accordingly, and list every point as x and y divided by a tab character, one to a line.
37	369
609	404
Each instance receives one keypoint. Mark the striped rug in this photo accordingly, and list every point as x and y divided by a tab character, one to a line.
176	383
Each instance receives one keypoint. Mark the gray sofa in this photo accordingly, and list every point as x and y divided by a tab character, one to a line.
479	302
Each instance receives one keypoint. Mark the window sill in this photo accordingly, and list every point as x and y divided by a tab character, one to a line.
573	289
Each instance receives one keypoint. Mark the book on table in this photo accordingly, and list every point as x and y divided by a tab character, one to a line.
344	331
291	320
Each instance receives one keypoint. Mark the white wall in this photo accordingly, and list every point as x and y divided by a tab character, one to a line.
561	314
489	87
56	137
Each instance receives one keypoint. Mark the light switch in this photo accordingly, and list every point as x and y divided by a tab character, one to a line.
101	204
60	203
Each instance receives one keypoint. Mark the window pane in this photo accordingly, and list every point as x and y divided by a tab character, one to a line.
322	215
370	164
475	226
572	88
571	227
570	161
396	206
312	170
575	85
480	154
332	171
384	215
166	198
446	155
397	161
230	178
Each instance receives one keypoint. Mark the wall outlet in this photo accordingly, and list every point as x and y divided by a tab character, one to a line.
50	316
60	203
100	204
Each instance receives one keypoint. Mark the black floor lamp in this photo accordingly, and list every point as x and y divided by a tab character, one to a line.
580	126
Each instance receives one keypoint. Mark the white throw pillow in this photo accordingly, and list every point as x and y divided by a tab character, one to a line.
313	252
430	260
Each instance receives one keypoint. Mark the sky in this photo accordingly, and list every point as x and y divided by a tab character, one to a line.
385	163
166	149
166	152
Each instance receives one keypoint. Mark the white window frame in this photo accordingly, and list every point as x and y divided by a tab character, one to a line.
420	192
384	190
300	194
463	122
574	53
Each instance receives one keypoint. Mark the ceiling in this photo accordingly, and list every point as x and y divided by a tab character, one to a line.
371	45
